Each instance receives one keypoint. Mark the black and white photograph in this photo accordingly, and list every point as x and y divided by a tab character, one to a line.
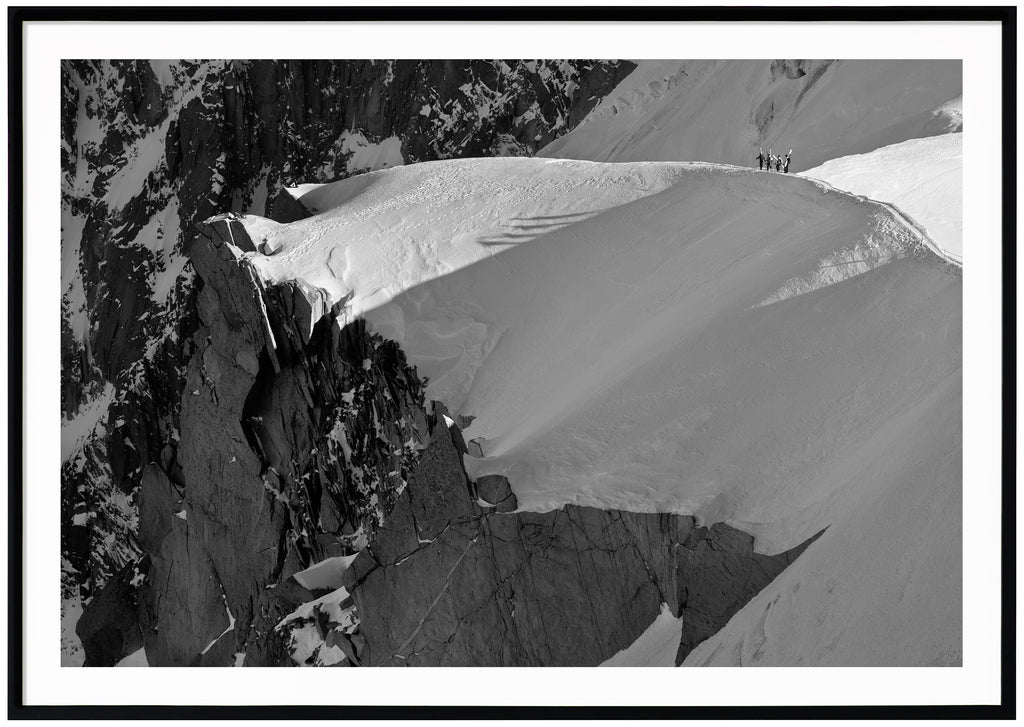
511	363
467	361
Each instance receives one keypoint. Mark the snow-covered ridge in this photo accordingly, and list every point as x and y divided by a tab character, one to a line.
579	271
376	236
681	337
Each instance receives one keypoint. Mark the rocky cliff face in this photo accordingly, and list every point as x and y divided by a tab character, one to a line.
151	149
452	581
298	431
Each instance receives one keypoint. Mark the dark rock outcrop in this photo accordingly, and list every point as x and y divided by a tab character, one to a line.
448	583
298	432
109	627
497	492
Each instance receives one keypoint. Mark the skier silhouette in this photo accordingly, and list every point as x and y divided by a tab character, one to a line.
778	163
770	160
760	158
786	167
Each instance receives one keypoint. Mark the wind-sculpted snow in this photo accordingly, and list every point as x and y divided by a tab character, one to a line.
724	110
668	337
921	177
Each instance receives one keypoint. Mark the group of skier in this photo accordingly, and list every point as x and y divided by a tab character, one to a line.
779	162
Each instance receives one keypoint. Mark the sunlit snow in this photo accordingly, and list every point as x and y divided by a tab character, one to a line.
922	177
694	338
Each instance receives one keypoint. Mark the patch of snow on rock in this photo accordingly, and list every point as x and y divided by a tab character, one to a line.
370	156
75	431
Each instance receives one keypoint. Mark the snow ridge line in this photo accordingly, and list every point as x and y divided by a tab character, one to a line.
905	219
910	222
901	216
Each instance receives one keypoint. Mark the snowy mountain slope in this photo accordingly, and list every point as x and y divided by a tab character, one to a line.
759	349
922	177
691	338
884	586
724	110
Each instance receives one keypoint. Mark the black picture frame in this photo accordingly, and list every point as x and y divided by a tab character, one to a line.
1006	16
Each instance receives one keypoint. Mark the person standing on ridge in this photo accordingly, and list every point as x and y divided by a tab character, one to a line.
770	159
760	158
785	168
778	163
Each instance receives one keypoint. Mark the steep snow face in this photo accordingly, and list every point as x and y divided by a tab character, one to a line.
760	349
922	177
725	110
884	585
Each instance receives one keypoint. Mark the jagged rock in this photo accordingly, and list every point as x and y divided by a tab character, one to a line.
227	228
269	247
495	489
285	208
793	69
290	451
448	583
339	639
291	593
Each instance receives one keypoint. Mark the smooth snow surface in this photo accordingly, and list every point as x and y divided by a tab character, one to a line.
656	646
922	177
724	110
760	349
